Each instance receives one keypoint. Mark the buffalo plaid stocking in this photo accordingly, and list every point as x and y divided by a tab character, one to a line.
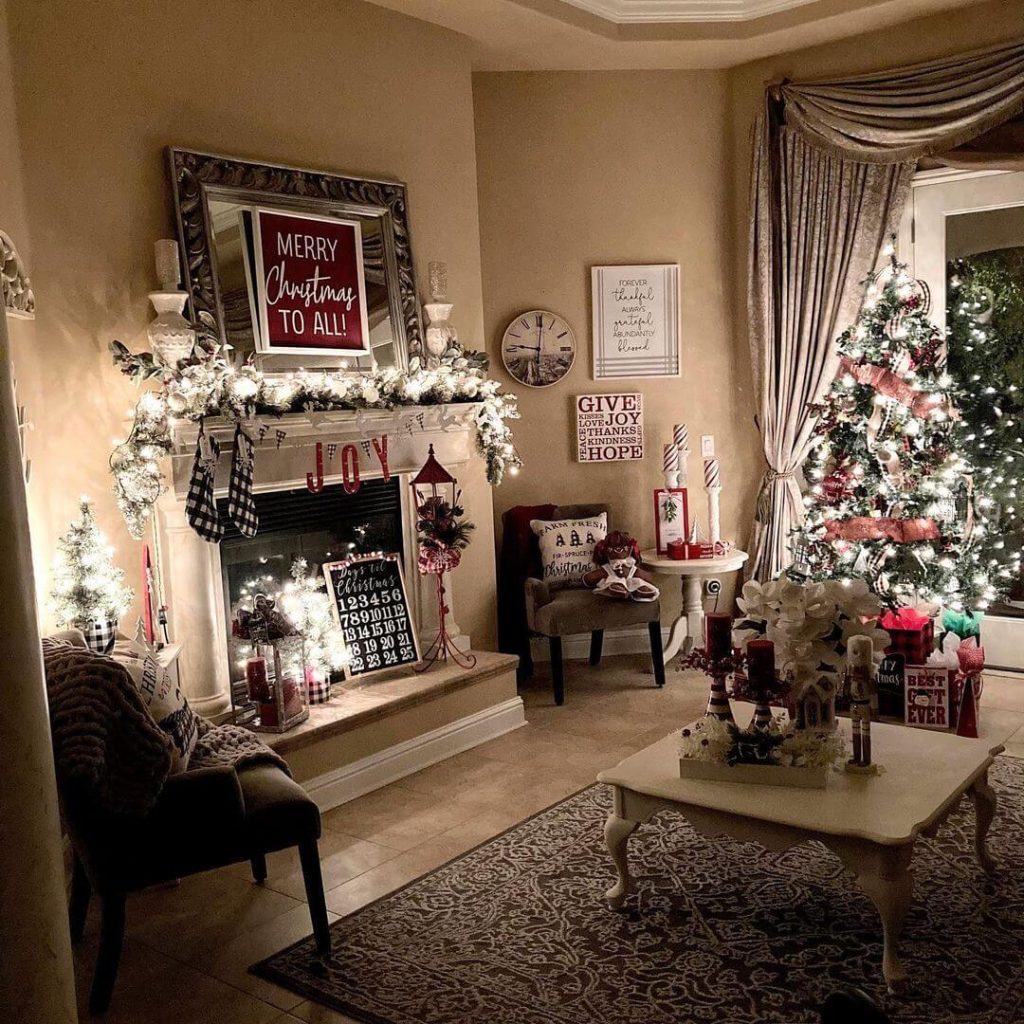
200	508
241	507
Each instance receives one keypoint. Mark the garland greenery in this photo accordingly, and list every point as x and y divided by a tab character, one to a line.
207	385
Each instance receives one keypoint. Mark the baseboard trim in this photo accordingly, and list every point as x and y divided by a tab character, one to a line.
621	641
393	763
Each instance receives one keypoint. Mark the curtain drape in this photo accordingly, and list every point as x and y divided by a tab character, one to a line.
832	164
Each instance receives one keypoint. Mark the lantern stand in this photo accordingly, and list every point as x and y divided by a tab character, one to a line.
438	559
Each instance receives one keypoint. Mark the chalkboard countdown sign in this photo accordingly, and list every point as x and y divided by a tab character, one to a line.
372	609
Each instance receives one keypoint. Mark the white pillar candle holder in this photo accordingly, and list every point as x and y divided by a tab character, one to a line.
713	486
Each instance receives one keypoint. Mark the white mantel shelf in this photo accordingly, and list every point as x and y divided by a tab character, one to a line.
449	428
335	425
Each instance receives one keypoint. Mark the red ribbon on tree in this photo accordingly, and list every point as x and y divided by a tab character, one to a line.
887	383
899	531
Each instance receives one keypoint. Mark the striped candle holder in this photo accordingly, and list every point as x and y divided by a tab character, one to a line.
718	701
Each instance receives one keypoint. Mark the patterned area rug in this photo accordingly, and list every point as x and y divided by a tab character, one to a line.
517	931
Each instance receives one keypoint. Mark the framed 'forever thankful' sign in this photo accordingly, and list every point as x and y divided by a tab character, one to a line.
636	321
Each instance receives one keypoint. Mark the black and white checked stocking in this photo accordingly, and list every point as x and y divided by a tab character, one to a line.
200	508
241	506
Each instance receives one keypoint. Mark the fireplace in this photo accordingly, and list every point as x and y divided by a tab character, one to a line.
296	523
202	582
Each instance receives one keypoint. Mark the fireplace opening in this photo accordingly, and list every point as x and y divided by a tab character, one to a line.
322	527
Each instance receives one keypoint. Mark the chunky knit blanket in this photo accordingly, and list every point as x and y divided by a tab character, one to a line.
107	748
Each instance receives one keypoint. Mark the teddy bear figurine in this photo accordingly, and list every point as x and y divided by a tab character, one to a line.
617	573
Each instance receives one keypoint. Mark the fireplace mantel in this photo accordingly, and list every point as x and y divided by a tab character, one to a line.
190	567
410	429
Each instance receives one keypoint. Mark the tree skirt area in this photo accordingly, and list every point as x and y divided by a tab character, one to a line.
517	931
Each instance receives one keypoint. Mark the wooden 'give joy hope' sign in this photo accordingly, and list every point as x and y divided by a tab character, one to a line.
310	289
609	428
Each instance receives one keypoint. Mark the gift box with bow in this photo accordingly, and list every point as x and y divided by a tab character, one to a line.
911	634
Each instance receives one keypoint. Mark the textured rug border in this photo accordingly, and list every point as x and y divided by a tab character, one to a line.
262	968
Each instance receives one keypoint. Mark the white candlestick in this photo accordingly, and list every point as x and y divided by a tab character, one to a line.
713	485
168	269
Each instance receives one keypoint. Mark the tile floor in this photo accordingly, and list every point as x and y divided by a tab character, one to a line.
189	946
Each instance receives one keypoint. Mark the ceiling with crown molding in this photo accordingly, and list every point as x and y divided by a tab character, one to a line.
534	35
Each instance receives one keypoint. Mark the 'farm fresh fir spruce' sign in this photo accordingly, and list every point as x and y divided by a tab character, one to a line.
609	428
310	289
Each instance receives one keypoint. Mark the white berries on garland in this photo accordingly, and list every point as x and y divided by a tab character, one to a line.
87	586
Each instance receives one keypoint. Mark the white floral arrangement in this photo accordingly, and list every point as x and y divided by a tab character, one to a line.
781	744
211	387
810	623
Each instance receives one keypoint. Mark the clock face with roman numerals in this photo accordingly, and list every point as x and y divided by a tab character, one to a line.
538	348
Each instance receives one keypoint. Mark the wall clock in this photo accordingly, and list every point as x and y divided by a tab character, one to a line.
538	348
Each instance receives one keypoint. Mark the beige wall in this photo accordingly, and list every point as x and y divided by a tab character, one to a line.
104	87
578	169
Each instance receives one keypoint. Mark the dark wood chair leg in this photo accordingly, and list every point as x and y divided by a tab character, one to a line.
596	643
259	867
557	673
309	856
109	956
525	670
657	652
78	905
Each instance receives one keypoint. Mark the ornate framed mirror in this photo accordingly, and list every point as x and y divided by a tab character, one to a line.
230	213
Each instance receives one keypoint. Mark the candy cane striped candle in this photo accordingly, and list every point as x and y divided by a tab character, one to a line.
681	437
670	464
712	473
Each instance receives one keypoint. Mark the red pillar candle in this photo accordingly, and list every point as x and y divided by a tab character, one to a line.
718	635
761	664
256	678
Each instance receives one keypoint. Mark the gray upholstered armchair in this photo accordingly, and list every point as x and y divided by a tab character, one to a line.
557	613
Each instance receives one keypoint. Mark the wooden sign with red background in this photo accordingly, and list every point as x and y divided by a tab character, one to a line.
311	293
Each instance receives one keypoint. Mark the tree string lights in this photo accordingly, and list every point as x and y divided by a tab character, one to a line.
87	586
209	386
985	316
893	499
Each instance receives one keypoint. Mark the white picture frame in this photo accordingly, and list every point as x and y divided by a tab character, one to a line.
636	326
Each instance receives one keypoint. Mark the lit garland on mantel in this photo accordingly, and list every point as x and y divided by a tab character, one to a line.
209	386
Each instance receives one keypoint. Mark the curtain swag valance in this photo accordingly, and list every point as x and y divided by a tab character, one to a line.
832	168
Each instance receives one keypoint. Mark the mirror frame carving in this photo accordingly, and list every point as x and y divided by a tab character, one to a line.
196	176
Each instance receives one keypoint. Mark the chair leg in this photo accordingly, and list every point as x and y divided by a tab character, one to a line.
109	956
596	643
657	652
259	867
309	855
525	662
557	674
78	905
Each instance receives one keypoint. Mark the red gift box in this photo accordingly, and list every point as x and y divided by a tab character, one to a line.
910	634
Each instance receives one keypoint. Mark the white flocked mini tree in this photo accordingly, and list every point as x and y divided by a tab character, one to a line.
87	587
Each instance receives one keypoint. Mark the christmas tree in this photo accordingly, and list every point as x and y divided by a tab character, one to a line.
985	318
87	586
893	498
308	607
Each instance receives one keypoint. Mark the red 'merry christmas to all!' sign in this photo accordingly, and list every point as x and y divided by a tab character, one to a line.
311	291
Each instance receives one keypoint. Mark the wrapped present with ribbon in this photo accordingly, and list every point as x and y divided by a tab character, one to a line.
911	634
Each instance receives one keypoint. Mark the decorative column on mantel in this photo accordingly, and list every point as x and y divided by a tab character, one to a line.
190	577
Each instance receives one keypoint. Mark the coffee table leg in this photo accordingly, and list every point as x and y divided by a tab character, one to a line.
887	880
983	796
616	834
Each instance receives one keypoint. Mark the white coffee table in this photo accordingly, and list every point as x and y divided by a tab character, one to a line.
689	626
869	822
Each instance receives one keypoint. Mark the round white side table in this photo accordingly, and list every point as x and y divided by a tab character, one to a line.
689	627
